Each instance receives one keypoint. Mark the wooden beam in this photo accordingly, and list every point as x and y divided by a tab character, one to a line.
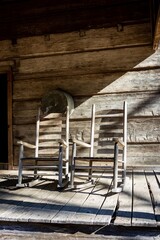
36	18
157	32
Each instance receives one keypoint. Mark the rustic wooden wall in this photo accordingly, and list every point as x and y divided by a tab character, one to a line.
101	66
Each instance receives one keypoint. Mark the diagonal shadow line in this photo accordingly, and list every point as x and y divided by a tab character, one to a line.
146	102
71	208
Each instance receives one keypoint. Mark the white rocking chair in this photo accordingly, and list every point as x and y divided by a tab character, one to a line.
52	138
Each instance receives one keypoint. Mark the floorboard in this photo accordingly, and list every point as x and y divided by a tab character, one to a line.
143	213
155	194
138	205
124	212
106	212
90	207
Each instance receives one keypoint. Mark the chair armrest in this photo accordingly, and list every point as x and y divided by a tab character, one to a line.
81	143
63	142
119	142
25	144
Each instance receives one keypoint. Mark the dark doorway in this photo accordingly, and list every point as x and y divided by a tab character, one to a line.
3	121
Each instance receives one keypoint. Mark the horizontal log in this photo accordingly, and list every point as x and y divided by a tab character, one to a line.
80	85
144	130
19	106
139	104
63	43
139	131
137	154
25	133
25	111
143	154
92	39
75	85
148	80
87	62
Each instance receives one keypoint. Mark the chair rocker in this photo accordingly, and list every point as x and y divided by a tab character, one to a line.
107	149
51	150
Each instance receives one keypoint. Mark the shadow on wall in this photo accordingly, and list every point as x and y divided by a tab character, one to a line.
140	87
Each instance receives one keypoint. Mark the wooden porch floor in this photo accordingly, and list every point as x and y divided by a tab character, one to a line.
138	205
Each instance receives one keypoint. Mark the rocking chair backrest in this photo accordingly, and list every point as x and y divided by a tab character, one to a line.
110	124
49	131
108	139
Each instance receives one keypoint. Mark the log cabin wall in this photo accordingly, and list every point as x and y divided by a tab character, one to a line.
104	66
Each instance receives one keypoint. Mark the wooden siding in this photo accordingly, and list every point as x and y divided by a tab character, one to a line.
102	66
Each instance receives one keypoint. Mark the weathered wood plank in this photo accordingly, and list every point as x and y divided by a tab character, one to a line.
105	83
143	140
144	130
26	132
74	84
68	211
136	153
44	203
155	193
124	211
24	212
139	80
70	42
157	31
92	39
106	211
36	202
87	212
143	154
139	130
27	105
25	116
158	176
143	214
13	205
5	49
50	208
6	64
139	103
87	62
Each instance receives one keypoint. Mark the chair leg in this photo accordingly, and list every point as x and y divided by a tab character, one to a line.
61	182
115	173
73	165
60	166
20	172
90	170
20	168
35	170
124	169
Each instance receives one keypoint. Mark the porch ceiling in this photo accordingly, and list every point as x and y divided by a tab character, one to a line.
23	18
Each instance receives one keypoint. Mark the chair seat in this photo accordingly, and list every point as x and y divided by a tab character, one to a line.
38	159
38	167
